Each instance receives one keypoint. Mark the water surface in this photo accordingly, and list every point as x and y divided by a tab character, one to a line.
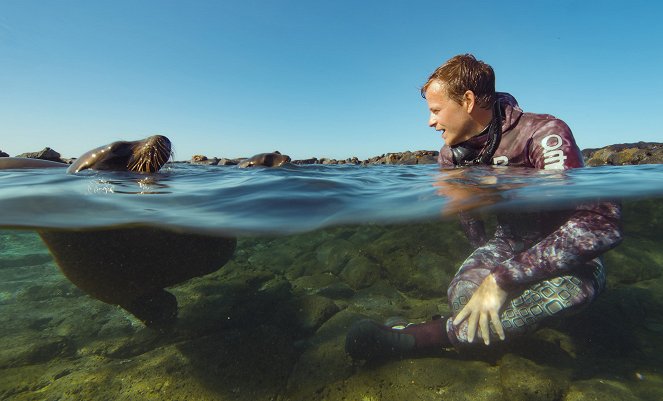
318	248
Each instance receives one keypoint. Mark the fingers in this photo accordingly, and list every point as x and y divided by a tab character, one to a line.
461	315
485	328
497	324
472	326
480	321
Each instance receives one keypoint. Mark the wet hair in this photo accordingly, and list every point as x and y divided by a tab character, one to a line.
462	73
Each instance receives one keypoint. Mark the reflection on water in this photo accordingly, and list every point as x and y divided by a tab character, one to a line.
270	324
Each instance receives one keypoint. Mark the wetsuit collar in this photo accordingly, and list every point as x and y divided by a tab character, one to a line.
480	148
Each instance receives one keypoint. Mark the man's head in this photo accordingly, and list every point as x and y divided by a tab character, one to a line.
460	94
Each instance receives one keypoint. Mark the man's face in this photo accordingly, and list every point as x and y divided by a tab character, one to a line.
447	116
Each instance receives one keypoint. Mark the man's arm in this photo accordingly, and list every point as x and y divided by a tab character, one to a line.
591	230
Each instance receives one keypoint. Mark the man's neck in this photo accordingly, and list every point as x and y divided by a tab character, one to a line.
482	117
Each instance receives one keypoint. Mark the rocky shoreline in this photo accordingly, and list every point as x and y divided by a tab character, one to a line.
616	155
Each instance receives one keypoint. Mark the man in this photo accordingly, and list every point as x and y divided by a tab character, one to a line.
537	264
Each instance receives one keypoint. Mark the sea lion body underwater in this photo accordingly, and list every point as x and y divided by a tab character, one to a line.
131	266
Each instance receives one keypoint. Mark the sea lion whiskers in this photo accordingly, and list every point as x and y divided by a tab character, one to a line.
150	157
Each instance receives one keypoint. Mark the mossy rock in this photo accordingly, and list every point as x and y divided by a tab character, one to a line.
524	380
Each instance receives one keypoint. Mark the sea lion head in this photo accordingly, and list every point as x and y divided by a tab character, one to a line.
274	159
143	156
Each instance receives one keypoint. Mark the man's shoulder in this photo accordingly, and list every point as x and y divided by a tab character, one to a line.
543	118
527	122
536	124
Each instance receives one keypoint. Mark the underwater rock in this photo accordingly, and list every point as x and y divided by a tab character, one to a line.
324	362
277	289
635	260
31	349
24	260
435	378
273	258
45	292
360	272
22	249
381	299
338	291
524	380
599	389
431	273
420	258
311	311
312	284
332	256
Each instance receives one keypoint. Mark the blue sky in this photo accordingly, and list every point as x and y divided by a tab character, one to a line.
312	78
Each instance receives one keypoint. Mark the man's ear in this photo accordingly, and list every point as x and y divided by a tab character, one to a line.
469	101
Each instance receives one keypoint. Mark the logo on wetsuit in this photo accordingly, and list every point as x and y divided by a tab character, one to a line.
501	161
553	156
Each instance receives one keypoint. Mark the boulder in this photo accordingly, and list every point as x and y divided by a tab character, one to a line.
313	160
227	162
625	153
204	160
524	380
44	154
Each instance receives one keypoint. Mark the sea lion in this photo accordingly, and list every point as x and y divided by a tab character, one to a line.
130	266
143	156
273	159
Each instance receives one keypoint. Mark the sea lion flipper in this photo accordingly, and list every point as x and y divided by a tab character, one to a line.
157	309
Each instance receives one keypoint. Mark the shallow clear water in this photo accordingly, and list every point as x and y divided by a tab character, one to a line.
319	247
299	198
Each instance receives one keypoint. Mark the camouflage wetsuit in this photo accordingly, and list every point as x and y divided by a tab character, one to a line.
548	261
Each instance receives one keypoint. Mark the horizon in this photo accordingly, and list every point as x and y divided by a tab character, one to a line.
324	80
175	159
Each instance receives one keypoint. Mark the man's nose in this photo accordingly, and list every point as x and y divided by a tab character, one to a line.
432	121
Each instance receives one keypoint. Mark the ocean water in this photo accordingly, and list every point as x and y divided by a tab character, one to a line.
228	200
318	247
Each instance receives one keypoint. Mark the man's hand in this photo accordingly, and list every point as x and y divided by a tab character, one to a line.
483	309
